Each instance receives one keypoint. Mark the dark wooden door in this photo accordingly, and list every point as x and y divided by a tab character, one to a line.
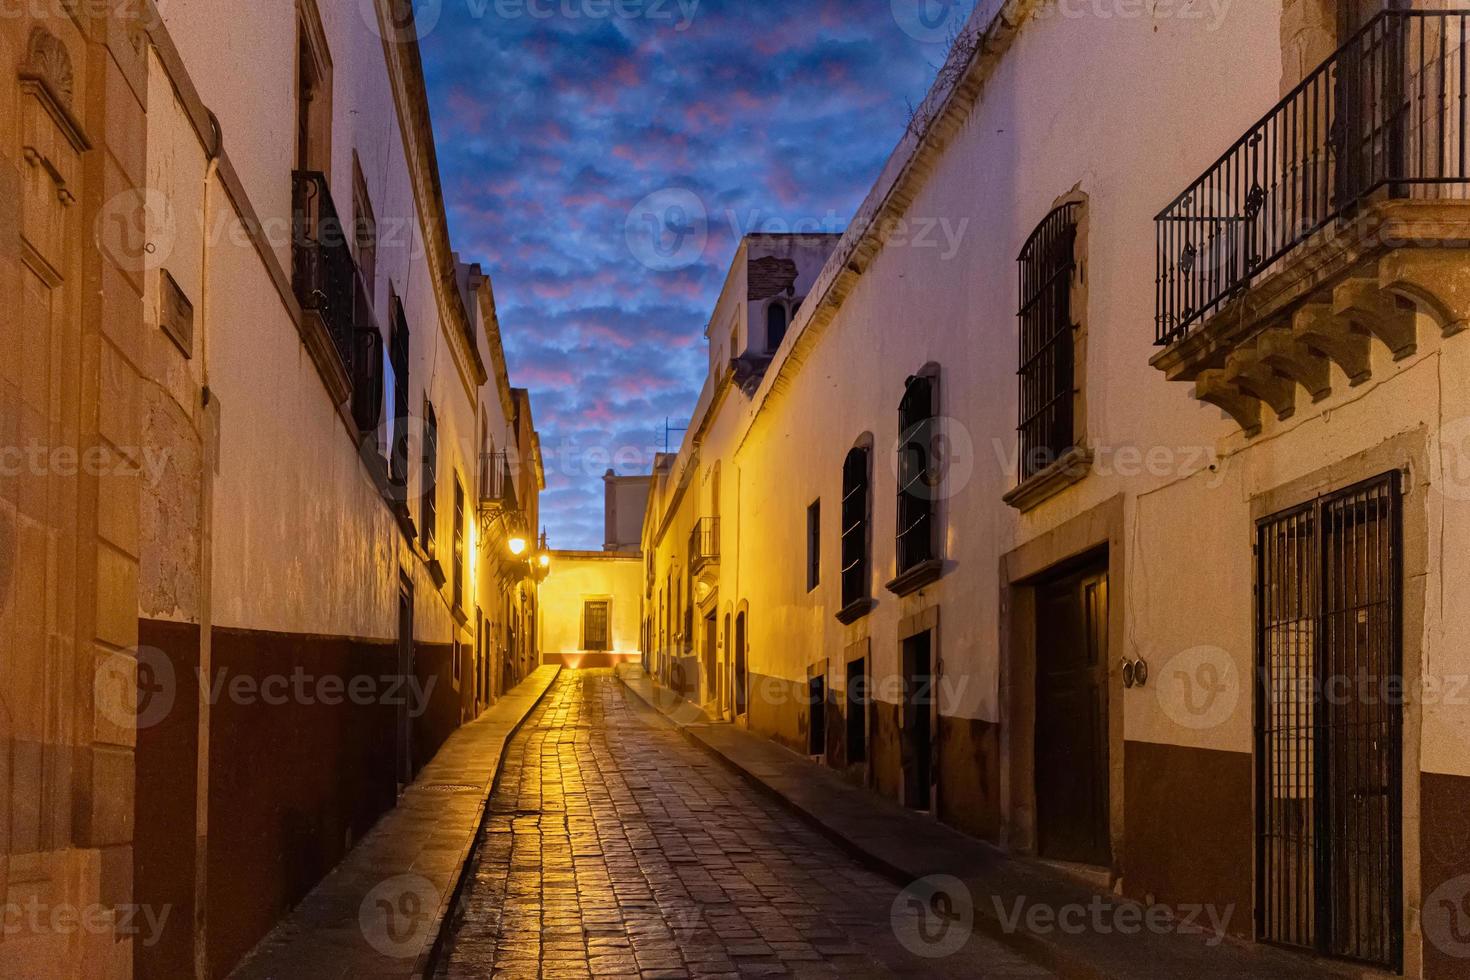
740	706
1072	718
711	641
917	744
404	741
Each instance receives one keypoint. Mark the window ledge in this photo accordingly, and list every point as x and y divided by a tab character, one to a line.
460	616
856	610
922	574
436	572
1072	467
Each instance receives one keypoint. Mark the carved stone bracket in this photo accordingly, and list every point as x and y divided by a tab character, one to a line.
1255	378
1433	277
1279	349
1317	328
1368	308
1214	387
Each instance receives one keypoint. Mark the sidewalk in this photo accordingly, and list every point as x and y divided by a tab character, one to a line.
906	846
379	913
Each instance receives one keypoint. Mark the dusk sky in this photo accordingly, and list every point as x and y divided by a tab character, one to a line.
557	119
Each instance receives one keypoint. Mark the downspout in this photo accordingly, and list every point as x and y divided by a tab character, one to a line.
210	423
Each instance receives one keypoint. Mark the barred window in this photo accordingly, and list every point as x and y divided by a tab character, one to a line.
595	624
459	545
917	473
1047	326
430	477
856	505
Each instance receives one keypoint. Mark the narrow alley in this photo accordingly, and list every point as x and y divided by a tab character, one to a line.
615	848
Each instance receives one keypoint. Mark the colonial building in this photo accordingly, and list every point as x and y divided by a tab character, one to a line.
1105	495
268	493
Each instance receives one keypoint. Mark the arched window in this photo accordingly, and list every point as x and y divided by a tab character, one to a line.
775	324
917	474
1047	371
856	508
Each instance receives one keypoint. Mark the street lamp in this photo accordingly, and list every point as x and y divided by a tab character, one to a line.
517	545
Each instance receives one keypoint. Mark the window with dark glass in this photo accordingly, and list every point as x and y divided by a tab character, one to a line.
857	711
813	545
775	324
917	473
430	476
1047	328
856	505
395	439
459	545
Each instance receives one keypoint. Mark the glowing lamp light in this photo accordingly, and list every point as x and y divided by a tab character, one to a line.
517	545
545	560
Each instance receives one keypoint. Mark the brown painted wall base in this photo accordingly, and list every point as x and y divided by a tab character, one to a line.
1189	828
164	850
1444	803
969	775
292	785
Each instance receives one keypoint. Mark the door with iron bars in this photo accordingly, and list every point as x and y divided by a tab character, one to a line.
1329	724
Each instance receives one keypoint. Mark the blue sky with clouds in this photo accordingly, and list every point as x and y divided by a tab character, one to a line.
557	119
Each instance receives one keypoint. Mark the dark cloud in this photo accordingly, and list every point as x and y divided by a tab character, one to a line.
552	128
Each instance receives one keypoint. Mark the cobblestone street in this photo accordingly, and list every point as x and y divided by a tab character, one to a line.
615	848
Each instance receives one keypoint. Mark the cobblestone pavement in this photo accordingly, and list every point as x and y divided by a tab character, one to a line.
615	848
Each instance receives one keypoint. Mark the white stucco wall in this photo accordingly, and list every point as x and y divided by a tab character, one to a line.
577	577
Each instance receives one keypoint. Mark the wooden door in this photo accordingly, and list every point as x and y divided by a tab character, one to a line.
1072	718
917	745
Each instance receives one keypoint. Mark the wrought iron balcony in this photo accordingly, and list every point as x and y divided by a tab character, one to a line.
704	543
1384	117
325	276
497	483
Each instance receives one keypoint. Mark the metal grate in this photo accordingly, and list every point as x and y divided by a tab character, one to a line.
595	628
855	505
1389	109
917	473
1329	725
1047	371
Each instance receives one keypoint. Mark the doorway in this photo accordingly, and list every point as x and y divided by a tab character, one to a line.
1329	746
917	744
1072	795
740	694
711	640
817	712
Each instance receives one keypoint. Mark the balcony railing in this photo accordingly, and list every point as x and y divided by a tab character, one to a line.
497	482
704	543
1386	112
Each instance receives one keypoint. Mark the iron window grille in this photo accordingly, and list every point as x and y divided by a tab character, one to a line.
595	625
917	473
856	503
813	545
459	545
1047	371
430	477
1329	725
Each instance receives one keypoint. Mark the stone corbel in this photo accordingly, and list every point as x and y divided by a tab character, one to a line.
1433	277
1315	326
1213	387
1280	350
1245	370
1368	308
